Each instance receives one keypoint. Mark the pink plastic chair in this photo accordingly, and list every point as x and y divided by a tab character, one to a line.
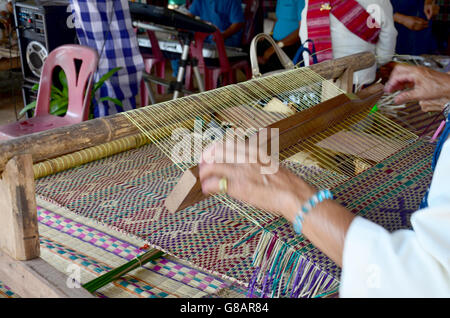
155	59
226	69
80	86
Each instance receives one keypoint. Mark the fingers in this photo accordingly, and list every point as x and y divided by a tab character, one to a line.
208	153
436	105
421	21
211	185
406	96
401	76
220	160
428	10
210	174
420	25
220	152
230	151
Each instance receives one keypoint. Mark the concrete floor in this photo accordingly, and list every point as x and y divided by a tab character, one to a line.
10	104
10	96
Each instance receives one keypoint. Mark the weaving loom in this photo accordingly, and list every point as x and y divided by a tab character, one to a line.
384	168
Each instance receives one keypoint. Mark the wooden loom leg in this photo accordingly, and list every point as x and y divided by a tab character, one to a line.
20	266
19	235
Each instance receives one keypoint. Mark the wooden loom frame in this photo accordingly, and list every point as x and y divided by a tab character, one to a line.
21	267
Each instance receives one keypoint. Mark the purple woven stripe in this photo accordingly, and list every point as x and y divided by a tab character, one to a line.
73	233
297	277
119	242
252	283
313	281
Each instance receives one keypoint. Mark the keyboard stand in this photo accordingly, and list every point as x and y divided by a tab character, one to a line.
177	86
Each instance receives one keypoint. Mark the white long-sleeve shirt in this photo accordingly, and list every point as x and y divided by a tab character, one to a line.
346	43
405	263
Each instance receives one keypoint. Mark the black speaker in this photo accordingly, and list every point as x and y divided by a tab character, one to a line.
42	26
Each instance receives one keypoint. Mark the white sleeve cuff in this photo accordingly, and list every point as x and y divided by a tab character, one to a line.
404	263
356	264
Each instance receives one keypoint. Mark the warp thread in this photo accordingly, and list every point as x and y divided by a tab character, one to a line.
277	264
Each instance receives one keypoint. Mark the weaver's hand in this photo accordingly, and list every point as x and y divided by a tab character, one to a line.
424	84
434	105
281	193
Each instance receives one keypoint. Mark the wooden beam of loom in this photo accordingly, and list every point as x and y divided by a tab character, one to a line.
292	130
19	235
20	266
61	141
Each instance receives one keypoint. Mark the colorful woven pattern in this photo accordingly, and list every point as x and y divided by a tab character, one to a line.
71	243
6	292
417	121
126	193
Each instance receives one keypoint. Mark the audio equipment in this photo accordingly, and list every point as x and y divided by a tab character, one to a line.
41	27
167	17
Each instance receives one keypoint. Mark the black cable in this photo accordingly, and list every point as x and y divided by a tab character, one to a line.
13	96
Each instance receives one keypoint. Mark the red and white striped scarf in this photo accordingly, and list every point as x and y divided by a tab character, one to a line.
349	12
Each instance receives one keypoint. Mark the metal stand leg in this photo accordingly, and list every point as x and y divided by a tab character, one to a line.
151	95
186	38
176	87
198	78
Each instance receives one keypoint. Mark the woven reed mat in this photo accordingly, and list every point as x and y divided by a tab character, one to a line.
125	193
70	242
421	123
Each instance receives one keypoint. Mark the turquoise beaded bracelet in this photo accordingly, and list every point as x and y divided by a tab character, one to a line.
310	204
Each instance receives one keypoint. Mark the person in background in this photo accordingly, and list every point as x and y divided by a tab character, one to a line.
285	33
177	4
226	15
106	26
413	23
6	21
334	33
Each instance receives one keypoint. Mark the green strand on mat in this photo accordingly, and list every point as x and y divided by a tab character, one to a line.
327	293
277	269
114	274
374	109
294	258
